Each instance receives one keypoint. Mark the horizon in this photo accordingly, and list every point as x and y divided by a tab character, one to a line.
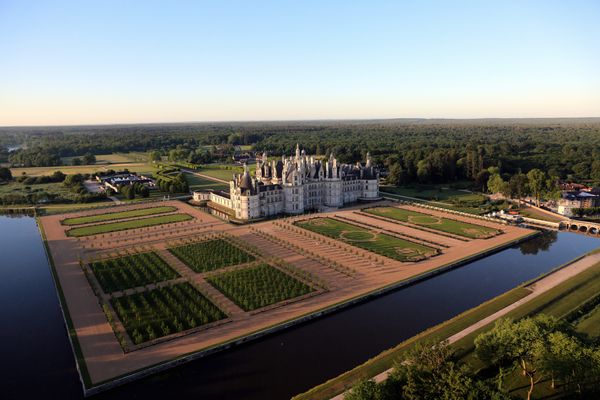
107	63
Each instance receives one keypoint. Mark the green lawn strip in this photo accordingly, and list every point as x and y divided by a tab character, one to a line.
221	173
196	182
118	215
385	360
81	365
259	286
160	312
460	228
124	225
121	273
210	255
379	243
535	214
591	324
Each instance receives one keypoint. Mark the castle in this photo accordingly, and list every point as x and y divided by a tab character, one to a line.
294	185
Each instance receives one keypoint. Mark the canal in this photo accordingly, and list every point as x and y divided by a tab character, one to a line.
37	359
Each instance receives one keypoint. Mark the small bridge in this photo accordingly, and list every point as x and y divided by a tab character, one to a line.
590	228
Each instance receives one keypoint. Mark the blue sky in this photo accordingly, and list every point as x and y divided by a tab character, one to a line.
71	62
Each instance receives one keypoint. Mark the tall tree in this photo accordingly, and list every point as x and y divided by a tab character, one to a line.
537	183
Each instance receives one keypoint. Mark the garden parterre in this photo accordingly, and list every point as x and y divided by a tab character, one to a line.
164	311
447	225
129	224
140	212
211	254
121	273
258	286
380	243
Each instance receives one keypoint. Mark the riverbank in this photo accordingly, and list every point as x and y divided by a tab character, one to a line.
457	329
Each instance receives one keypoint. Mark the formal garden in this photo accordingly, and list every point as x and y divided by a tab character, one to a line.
164	311
111	216
452	226
89	230
121	273
211	254
258	286
379	243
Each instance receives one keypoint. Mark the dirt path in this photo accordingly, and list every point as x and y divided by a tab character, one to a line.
537	288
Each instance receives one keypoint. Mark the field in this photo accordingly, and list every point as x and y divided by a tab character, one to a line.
115	158
221	173
259	286
160	312
433	192
198	183
380	243
141	168
118	274
455	227
125	225
210	255
55	189
140	212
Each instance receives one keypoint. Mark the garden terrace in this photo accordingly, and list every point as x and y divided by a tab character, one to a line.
380	243
121	273
447	225
212	254
258	286
89	230
161	312
140	212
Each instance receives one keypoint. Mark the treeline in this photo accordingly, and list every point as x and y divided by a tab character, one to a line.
416	151
542	350
172	181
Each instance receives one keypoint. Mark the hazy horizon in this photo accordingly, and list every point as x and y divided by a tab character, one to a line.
107	63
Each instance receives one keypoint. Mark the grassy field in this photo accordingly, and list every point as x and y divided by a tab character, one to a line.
118	215
259	286
530	212
221	173
210	255
141	168
54	189
125	225
118	274
386	359
116	158
433	192
455	227
386	245
152	314
198	183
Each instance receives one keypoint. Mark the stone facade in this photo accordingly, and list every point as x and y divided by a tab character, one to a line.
299	183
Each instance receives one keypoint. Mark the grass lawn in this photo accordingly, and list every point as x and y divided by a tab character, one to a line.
118	215
259	286
54	188
117	274
432	192
160	312
210	255
198	183
115	158
386	359
530	212
225	174
460	228
380	243
141	168
125	225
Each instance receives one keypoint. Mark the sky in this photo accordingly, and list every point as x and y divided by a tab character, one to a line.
104	62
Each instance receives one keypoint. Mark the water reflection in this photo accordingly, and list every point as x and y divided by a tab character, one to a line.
541	242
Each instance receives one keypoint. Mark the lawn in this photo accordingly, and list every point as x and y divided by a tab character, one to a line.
210	255
455	227
141	168
115	158
198	183
221	173
118	215
380	243
156	313
118	274
259	286
125	225
432	192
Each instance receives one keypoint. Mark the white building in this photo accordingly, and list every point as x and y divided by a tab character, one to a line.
296	184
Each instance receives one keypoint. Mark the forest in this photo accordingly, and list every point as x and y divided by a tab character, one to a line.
424	151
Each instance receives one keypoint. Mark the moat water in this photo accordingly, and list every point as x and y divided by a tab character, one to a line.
37	361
